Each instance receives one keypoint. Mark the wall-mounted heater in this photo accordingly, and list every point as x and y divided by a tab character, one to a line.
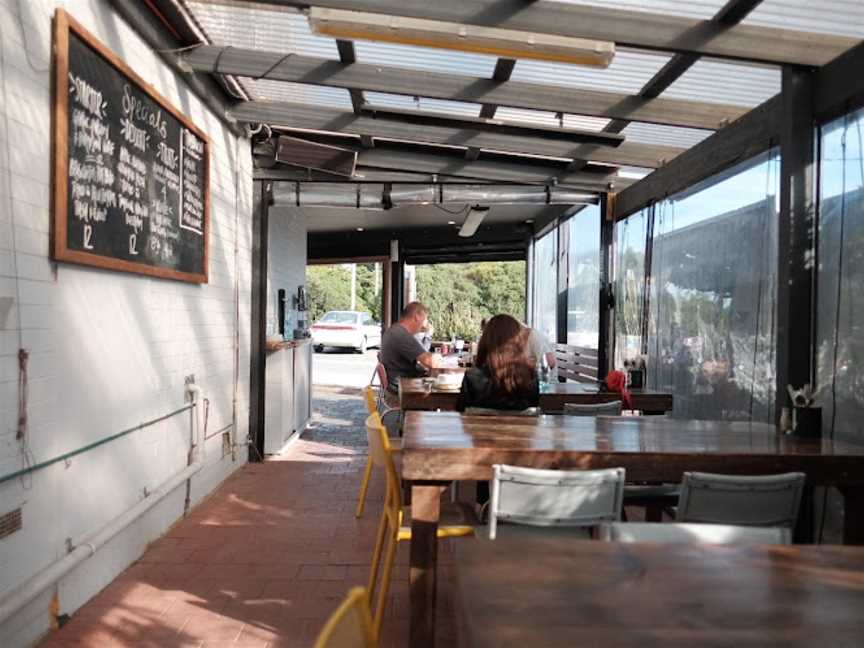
319	157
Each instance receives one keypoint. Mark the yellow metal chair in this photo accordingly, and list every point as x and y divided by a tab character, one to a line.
395	525
350	626
395	444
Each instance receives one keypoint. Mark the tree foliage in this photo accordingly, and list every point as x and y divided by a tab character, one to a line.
460	295
329	288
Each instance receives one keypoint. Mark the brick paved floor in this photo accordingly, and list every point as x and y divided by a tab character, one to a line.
264	560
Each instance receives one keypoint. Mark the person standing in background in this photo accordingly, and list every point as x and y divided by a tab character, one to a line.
539	348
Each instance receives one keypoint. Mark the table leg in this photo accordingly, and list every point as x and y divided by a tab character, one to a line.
853	514
425	513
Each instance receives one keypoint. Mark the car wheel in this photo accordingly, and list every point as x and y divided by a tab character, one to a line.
362	347
319	348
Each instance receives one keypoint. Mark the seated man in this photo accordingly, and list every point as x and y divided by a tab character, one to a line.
401	352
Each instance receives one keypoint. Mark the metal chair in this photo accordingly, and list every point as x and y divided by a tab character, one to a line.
395	525
489	411
763	500
654	498
395	446
613	408
350	626
578	499
692	533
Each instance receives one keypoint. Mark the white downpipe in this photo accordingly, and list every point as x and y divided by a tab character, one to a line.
13	601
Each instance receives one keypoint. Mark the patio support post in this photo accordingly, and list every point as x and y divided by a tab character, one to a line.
796	236
263	198
606	337
563	267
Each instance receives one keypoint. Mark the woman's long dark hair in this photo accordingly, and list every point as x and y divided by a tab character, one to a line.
502	352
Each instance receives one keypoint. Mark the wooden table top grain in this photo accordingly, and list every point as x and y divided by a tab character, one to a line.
414	395
445	446
556	592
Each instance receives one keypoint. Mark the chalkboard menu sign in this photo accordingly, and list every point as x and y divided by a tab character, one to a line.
130	171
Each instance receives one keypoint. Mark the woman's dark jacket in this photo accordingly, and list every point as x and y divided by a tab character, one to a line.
478	391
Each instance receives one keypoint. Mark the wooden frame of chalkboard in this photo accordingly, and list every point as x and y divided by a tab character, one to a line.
168	249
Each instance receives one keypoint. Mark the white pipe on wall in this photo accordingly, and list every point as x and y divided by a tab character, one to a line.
16	599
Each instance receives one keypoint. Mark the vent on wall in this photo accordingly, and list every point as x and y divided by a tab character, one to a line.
10	523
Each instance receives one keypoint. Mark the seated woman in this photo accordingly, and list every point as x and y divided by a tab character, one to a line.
503	377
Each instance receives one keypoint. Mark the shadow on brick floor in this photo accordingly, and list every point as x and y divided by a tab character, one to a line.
264	560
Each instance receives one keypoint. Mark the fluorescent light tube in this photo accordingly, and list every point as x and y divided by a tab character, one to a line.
505	43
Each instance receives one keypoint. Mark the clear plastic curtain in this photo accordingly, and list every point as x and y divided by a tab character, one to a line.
628	272
712	295
840	294
546	284
583	278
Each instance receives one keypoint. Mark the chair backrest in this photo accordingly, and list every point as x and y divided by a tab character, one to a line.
371	399
613	408
692	533
489	411
763	500
350	626
382	375
382	455
561	498
576	363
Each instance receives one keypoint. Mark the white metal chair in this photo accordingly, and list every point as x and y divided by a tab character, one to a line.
489	411
692	533
578	499
763	500
613	408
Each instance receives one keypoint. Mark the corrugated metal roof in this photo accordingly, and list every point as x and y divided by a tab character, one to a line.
452	108
664	135
549	118
629	71
301	93
699	9
836	17
714	81
257	26
261	27
425	58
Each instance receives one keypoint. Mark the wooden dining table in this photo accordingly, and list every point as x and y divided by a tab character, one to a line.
440	447
414	394
559	592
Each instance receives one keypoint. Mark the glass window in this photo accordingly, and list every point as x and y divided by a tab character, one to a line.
711	299
628	272
840	298
546	285
583	278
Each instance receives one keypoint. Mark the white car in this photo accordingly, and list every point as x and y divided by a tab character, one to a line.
346	329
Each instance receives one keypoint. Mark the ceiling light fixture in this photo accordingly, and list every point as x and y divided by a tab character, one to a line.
506	43
476	214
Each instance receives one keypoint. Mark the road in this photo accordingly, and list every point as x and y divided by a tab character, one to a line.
343	368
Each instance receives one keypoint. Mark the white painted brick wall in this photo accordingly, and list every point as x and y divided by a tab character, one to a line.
108	350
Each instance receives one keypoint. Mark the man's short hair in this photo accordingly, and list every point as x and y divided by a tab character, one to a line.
412	310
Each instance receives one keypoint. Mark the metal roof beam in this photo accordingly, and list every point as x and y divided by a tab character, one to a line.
640	29
436	85
733	12
503	71
754	133
315	118
499	171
